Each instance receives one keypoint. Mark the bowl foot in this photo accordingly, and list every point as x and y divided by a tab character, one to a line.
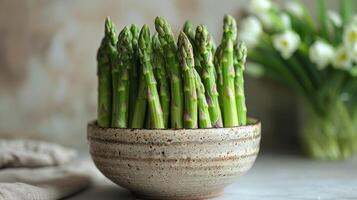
196	197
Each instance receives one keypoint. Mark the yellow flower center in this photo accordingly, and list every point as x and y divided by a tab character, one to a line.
342	57
284	43
352	36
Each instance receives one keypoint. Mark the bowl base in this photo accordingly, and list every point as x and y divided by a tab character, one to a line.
199	197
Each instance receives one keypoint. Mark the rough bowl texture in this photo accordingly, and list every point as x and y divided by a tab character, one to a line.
174	164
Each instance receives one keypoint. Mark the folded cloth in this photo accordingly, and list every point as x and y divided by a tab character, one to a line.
57	177
30	153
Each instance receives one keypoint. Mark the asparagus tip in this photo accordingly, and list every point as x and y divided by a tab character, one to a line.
134	27
230	26
185	50
188	27
135	30
109	26
124	44
188	24
162	26
125	33
242	52
203	40
144	40
159	23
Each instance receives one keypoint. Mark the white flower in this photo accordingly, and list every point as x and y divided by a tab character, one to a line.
354	20
342	59
250	31
252	25
286	20
354	53
335	18
321	54
270	20
265	19
259	6
350	36
286	43
250	40
294	8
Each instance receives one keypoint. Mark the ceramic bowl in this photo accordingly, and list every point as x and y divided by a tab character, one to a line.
174	164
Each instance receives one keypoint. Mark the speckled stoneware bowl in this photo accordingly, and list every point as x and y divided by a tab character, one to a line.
174	164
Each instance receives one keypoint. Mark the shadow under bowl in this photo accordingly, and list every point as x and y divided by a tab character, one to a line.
174	163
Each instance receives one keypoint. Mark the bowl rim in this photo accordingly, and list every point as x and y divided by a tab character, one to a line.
252	122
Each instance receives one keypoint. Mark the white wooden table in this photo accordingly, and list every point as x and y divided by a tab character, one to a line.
273	177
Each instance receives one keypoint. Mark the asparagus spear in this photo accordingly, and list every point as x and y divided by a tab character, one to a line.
214	46
134	71
120	73
185	54
161	74
189	31
230	116
168	41
204	120
219	75
135	32
105	55
145	54
204	47
148	121
239	62
140	105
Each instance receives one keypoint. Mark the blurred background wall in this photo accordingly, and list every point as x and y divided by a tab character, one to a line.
48	67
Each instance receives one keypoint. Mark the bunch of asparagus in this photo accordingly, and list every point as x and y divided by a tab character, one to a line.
153	82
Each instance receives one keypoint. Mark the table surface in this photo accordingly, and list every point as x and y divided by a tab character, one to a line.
272	177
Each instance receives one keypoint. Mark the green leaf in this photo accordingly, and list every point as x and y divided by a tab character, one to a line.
307	16
275	68
347	8
354	71
322	16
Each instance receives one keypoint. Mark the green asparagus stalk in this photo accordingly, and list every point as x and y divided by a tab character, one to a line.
185	54
204	120
214	46
239	66
105	55
162	77
168	41
135	32
145	54
148	121
120	73
230	116
134	71
219	75
204	47
140	104
190	83
189	31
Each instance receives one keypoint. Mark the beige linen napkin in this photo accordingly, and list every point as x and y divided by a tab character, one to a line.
35	170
